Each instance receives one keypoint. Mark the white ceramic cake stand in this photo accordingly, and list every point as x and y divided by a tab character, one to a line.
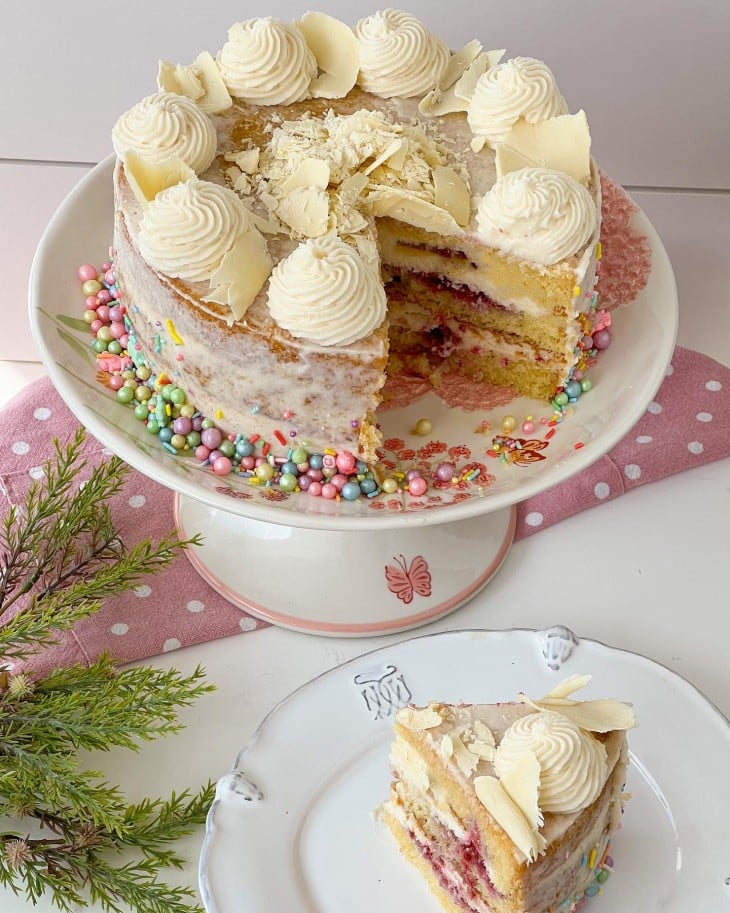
337	567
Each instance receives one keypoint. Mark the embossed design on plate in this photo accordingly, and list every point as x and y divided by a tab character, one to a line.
557	645
238	787
383	694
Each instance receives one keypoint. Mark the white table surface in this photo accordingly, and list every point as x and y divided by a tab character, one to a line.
646	573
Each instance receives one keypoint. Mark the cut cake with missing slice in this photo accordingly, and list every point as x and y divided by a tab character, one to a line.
510	807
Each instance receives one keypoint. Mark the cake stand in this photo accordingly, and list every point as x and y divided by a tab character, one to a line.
367	566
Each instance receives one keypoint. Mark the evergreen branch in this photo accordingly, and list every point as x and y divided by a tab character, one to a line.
27	633
96	708
45	500
60	559
155	823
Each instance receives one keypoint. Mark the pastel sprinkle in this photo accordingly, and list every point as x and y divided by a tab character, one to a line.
592	859
173	333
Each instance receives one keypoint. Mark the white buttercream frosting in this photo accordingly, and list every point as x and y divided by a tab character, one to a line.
573	764
325	292
166	124
520	87
188	228
537	214
267	62
399	57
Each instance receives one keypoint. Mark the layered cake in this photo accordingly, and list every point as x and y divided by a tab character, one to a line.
318	206
510	807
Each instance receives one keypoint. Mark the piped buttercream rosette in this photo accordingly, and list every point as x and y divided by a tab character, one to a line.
163	125
522	87
267	62
199	231
550	762
538	214
399	57
325	292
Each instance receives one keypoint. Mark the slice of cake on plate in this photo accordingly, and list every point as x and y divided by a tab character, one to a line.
510	807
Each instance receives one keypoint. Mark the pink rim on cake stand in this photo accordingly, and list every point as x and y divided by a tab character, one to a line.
356	568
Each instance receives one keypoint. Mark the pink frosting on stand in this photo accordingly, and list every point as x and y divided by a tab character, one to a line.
626	256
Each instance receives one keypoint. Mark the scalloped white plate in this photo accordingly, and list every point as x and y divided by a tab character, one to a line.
626	378
292	827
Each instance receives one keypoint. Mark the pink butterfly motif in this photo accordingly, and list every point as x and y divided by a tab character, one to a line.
404	581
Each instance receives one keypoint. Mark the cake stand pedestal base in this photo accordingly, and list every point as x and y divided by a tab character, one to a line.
345	583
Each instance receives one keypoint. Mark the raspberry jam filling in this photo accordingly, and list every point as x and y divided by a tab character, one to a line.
466	861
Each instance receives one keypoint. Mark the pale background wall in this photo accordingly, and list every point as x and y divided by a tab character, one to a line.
653	76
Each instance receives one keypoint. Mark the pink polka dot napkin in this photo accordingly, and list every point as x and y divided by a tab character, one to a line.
686	425
174	608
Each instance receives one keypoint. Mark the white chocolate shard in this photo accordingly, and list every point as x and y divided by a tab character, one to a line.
242	273
522	782
458	63
407	207
561	143
306	211
568	686
446	747
147	179
455	98
483	732
201	81
603	715
465	759
482	750
500	805
390	153
336	50
426	718
248	160
352	187
464	88
452	194
311	172
270	226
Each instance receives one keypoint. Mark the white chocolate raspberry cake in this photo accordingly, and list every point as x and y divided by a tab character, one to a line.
318	206
510	807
